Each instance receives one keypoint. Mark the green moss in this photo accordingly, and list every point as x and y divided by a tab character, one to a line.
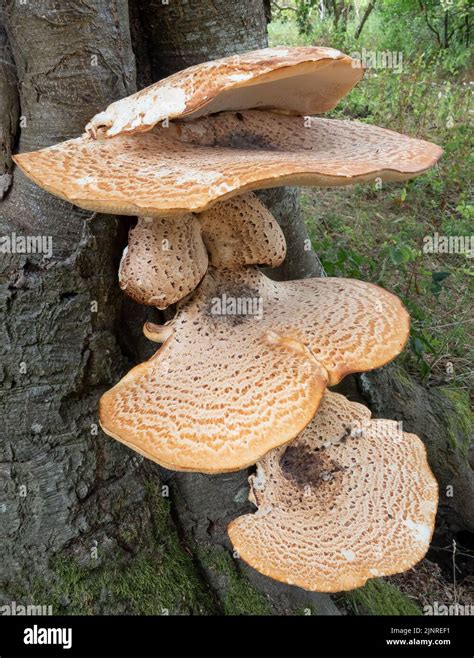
402	376
159	578
378	597
240	597
460	423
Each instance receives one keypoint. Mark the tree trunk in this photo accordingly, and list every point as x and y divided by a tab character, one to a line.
182	34
367	12
446	30
86	523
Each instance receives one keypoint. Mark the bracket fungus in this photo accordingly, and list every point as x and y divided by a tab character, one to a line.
305	80
350	499
164	261
246	361
259	353
188	167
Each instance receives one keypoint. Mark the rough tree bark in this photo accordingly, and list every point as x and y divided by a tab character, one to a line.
9	109
179	35
66	489
82	518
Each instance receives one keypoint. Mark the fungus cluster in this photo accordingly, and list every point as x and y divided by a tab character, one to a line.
242	373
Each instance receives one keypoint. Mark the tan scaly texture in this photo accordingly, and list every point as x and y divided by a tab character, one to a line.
350	499
304	80
244	365
242	231
189	167
164	261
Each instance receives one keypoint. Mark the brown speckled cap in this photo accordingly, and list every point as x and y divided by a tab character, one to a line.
244	365
191	166
242	231
164	261
302	80
349	499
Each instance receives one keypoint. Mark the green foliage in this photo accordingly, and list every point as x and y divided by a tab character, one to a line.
378	597
439	28
378	234
240	597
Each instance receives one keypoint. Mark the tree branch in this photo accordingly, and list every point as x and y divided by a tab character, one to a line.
280	8
366	15
424	9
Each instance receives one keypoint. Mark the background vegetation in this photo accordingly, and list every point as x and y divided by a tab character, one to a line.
377	234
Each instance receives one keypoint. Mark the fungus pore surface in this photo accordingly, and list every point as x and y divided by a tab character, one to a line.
349	499
244	365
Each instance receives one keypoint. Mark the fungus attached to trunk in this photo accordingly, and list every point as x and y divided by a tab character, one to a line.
188	167
245	362
350	499
304	80
164	261
242	231
244	365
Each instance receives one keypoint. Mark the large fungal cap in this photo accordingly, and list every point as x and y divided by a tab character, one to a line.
329	518
164	261
242	231
244	365
304	80
189	167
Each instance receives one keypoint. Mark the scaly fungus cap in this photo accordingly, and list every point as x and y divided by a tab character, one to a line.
164	261
244	365
188	167
350	499
304	80
242	231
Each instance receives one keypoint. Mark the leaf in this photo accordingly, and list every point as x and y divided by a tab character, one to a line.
437	277
418	346
400	254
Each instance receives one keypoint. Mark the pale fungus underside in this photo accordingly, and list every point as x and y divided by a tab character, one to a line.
305	80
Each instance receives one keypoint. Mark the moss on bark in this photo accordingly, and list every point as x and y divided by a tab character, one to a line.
158	578
378	597
240	598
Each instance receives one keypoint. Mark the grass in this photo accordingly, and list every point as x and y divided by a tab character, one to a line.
378	597
378	232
